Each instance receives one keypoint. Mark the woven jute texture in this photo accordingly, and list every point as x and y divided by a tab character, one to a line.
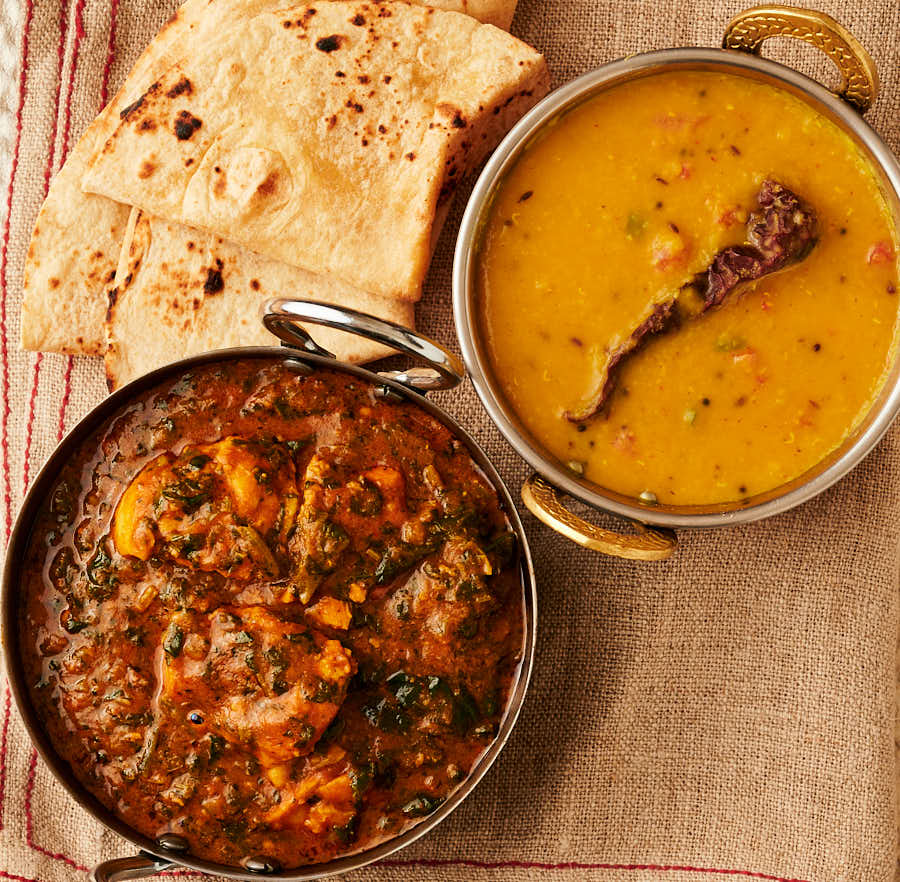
728	713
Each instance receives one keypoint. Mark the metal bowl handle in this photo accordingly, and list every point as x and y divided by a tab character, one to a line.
442	370
137	866
748	30
649	543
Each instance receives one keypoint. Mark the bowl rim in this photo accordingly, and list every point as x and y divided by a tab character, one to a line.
11	588
824	474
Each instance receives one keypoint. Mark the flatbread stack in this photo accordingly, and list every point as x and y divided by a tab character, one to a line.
258	151
182	291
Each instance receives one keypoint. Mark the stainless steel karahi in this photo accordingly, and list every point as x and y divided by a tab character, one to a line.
739	56
440	370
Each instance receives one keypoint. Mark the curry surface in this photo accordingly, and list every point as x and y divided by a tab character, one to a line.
617	206
275	614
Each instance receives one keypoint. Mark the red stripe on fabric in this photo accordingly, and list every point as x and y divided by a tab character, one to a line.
4	251
61	58
7	708
29	821
110	53
577	865
48	171
29	426
482	865
76	46
79	34
67	394
63	27
67	129
5	408
16	878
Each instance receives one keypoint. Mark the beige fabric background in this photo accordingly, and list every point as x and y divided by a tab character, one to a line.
728	714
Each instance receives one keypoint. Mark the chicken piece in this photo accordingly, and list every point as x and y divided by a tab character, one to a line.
340	502
376	497
211	507
329	612
357	592
428	612
236	551
132	529
258	482
462	561
317	542
322	798
270	686
452	593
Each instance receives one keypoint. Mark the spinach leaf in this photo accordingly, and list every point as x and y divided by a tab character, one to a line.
174	641
420	805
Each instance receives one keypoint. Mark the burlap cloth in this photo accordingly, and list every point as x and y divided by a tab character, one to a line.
728	713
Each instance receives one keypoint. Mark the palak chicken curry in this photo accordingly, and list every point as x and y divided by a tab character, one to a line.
276	614
688	286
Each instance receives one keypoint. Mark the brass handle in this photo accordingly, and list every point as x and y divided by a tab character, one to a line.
648	543
749	29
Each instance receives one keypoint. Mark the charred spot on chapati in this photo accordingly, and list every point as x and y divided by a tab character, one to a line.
329	44
182	87
185	125
125	112
214	283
